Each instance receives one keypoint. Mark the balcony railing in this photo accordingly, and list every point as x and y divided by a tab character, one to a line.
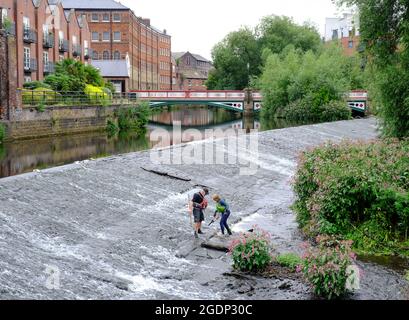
76	50
29	35
88	53
48	40
64	45
49	67
30	66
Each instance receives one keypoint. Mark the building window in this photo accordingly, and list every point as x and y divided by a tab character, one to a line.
106	37
95	36
95	17
45	58
105	17
188	61
117	36
105	55
350	44
116	17
117	55
95	55
27	79
27	58
26	23
334	34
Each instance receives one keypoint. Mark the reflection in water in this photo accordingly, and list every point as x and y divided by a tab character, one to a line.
25	156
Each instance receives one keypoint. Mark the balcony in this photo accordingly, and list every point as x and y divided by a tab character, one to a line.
29	35
76	50
48	41
88	53
64	45
49	67
30	66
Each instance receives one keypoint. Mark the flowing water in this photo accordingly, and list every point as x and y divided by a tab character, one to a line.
116	229
25	156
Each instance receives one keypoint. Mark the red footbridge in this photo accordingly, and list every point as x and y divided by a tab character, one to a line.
239	101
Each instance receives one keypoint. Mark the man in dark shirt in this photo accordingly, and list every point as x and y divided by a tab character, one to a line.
197	207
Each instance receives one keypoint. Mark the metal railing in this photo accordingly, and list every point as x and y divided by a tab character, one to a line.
76	50
64	45
32	98
29	35
31	66
48	40
49	67
88	53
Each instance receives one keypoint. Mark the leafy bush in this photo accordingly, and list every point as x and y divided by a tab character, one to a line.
289	260
35	85
251	252
40	96
357	190
310	85
327	267
134	119
2	132
96	95
305	110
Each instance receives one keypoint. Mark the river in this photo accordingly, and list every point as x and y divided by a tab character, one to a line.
25	156
118	228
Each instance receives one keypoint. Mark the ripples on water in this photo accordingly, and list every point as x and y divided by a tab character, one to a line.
25	156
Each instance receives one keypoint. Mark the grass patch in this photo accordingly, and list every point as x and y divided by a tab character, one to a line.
289	260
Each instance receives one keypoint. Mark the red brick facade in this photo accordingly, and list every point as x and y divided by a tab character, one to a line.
118	33
38	26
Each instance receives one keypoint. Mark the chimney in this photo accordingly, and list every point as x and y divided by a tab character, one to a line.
147	21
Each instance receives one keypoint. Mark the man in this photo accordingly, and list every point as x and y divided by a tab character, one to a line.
197	207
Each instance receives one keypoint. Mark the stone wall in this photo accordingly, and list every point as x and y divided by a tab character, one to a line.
30	123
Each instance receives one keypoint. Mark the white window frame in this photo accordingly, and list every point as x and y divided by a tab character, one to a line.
27	58
118	15
92	36
116	33
103	16
92	17
103	36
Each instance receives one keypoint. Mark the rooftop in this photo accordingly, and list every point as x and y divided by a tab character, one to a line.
112	68
93	4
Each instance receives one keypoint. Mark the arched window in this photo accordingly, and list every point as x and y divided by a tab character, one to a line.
95	55
106	55
117	55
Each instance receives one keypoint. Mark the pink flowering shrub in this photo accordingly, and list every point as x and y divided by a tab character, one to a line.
326	266
357	190
251	251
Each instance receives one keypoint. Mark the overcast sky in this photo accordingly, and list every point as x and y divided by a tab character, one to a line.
196	26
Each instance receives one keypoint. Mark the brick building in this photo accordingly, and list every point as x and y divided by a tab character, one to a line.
345	30
192	71
117	33
44	34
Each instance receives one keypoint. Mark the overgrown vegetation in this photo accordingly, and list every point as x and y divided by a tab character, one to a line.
72	83
384	33
131	119
308	85
327	267
2	133
251	251
238	59
289	260
357	190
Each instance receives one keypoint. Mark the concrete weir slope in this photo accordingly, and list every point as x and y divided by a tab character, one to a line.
116	228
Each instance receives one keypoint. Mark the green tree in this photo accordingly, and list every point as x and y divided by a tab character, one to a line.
276	33
315	78
236	59
384	30
239	58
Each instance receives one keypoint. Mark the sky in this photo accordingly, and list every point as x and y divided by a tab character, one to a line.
196	26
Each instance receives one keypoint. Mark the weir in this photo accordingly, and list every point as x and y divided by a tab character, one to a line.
112	228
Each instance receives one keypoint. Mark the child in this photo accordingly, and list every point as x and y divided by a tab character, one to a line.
223	208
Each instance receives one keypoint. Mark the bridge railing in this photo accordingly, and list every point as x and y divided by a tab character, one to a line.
191	95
